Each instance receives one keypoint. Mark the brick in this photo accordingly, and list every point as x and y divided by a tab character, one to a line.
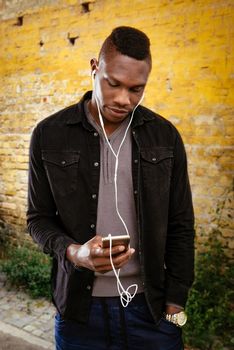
227	233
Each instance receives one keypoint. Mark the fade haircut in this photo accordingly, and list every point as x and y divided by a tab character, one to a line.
128	41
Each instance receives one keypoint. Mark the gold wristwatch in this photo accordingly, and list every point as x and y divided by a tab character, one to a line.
179	319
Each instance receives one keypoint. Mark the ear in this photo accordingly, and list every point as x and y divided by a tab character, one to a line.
93	65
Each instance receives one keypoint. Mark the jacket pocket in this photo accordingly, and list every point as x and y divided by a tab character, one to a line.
156	165
62	170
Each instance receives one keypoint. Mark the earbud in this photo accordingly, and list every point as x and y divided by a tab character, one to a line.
93	73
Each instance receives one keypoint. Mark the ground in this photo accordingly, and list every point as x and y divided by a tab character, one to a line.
9	342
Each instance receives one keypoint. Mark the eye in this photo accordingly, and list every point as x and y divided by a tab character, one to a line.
137	89
112	84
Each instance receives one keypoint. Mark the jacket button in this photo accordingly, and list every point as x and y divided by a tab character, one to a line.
63	162
94	196
96	164
88	287
136	161
92	225
135	192
95	134
154	159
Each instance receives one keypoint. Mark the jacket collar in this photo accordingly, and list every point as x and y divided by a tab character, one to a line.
79	112
141	114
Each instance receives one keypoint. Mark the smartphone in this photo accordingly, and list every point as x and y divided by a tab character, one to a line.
116	240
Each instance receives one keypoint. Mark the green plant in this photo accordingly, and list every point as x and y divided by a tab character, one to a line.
210	305
29	268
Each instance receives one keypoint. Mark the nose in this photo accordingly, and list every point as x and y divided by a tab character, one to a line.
122	98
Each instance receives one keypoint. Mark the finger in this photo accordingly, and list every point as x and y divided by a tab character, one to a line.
121	262
103	269
124	256
96	251
114	250
101	262
103	272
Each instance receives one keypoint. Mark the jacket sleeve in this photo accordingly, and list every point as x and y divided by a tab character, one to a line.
179	257
42	219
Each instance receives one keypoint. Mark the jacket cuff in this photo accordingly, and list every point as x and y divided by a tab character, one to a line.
176	293
168	303
61	252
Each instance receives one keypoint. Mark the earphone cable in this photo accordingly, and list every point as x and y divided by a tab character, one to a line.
125	295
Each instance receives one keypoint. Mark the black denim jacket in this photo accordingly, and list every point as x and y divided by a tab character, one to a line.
63	196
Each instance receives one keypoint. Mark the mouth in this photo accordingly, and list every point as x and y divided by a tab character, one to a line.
118	112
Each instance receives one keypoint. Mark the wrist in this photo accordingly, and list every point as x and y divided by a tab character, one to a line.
72	253
173	309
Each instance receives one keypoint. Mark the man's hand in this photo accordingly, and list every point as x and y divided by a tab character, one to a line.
92	256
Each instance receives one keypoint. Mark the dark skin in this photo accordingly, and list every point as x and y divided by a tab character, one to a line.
92	256
119	85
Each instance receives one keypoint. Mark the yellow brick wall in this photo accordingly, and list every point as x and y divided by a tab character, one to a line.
191	84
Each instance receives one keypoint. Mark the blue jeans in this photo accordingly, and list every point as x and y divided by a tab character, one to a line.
112	327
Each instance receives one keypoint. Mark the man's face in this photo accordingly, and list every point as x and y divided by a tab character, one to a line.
119	85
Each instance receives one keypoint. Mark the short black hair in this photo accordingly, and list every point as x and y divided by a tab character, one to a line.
128	41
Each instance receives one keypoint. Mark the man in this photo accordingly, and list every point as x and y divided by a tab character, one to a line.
127	175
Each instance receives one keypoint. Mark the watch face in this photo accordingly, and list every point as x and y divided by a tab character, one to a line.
181	318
